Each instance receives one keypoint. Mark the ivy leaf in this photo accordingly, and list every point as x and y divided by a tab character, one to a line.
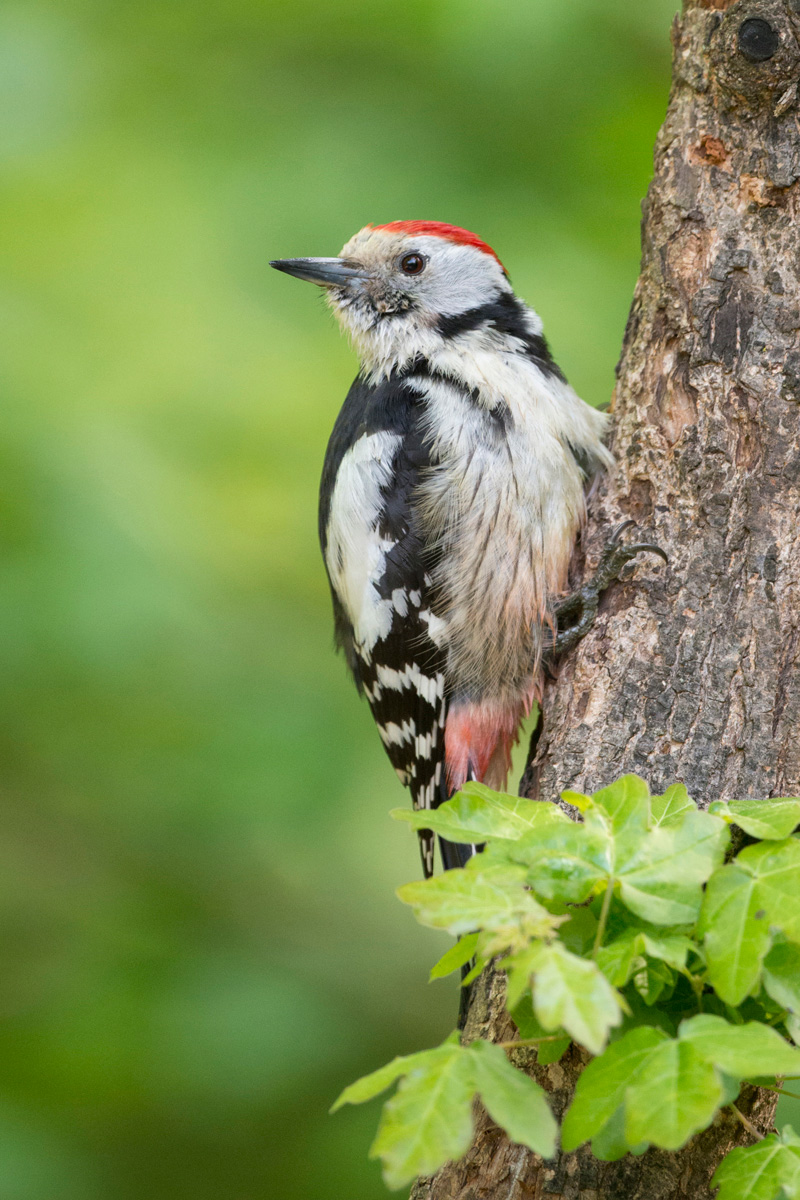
578	800
602	1086
551	1052
660	873
573	994
674	1094
776	868
626	954
736	933
769	820
566	862
482	895
743	1051
673	949
378	1081
578	933
782	976
667	1089
626	803
429	1119
661	878
480	963
651	980
731	1086
529	1027
477	814
745	901
457	956
759	1172
620	958
671	808
514	1100
519	969
610	1144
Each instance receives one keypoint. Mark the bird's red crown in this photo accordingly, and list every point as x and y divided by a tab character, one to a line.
451	233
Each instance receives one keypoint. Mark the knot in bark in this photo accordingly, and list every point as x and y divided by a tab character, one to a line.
754	55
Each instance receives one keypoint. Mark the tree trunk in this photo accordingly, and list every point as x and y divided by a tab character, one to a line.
691	671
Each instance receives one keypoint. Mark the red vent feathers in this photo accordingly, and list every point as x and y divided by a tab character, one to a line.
452	233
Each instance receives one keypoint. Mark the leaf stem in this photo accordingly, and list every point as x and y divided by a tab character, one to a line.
529	1042
749	1126
601	924
778	1091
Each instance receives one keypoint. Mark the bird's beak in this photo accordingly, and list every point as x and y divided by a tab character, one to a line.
327	272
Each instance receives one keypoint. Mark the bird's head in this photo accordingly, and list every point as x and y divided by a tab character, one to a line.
394	287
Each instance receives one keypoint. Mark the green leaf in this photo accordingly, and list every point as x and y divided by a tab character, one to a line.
674	1094
474	973
457	956
627	805
477	814
731	1086
660	873
744	1051
626	954
481	895
573	994
620	958
651	981
744	903
514	1100
782	976
610	1144
769	820
602	1086
429	1119
578	933
551	1052
776	867
565	862
661	877
673	949
671	808
529	1026
759	1172
578	800
519	972
525	1019
736	933
378	1081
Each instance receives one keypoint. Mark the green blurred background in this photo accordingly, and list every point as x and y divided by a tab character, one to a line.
200	939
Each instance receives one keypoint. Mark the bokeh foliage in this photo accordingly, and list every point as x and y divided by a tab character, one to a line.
200	939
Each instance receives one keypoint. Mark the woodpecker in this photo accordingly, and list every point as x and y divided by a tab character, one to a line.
453	488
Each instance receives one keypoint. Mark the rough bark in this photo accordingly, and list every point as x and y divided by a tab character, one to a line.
691	671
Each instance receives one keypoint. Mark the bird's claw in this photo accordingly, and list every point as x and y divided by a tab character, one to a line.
616	555
585	600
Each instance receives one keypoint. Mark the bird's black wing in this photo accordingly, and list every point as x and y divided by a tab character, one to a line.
388	631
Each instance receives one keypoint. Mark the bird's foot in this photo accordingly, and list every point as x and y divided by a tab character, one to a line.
580	608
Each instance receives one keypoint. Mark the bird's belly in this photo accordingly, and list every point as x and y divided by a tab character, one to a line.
508	553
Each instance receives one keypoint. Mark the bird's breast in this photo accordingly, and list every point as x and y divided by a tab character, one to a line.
501	506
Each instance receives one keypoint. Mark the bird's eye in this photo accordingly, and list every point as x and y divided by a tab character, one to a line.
412	264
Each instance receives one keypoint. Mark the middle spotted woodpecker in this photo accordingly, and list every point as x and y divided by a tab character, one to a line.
453	489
